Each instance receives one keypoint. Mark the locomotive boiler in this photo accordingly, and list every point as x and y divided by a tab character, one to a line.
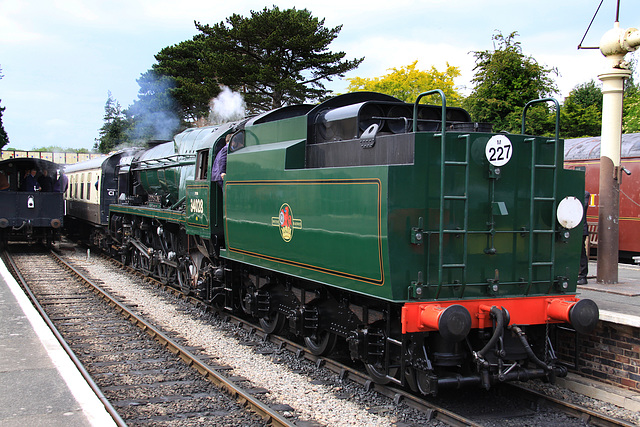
437	253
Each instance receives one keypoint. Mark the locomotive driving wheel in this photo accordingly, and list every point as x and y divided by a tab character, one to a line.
166	273
185	277
125	256
135	259
247	297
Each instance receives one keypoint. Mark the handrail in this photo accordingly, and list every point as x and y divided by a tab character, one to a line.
444	108
535	101
442	167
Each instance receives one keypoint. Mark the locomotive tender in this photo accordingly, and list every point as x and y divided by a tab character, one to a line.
439	252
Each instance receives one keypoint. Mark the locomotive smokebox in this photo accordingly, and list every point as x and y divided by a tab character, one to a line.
453	322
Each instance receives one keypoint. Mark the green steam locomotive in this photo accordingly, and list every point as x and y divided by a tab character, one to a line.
437	253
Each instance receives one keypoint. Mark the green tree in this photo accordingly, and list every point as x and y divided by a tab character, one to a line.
179	82
113	132
631	116
504	81
155	114
408	82
581	113
274	58
631	111
4	138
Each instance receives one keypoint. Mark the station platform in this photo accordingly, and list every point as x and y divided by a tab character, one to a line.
39	384
620	302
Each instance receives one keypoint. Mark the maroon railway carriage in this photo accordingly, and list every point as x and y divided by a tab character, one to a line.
584	154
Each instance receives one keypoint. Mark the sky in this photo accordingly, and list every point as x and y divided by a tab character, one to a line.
61	58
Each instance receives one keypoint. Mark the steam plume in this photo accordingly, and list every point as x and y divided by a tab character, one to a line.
228	106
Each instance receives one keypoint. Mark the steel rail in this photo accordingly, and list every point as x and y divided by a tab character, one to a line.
398	395
242	396
343	371
587	415
10	263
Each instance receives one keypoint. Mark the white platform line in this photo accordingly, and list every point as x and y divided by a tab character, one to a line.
91	406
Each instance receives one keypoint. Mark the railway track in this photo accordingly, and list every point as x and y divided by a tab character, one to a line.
251	332
580	415
127	357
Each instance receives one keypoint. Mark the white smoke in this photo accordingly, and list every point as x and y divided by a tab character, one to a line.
228	106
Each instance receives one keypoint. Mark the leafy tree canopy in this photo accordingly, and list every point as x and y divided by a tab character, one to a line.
631	117
505	80
274	58
581	113
155	114
179	81
113	132
408	82
631	112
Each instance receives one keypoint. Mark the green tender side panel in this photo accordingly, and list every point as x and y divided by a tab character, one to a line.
327	225
160	214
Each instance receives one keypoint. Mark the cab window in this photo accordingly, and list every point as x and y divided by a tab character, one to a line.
202	165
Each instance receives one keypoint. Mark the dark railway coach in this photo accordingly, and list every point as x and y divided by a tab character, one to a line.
438	253
27	212
93	187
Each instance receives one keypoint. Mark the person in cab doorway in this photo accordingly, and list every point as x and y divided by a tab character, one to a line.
45	181
219	168
30	182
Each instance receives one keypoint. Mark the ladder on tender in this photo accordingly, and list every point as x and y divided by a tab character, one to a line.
461	197
444	197
537	197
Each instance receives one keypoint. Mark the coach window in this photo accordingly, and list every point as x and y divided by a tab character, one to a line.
82	187
202	162
89	186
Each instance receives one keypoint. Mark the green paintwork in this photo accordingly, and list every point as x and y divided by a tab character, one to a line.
354	227
294	128
442	223
197	208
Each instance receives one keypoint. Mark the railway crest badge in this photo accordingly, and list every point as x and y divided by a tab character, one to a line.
286	222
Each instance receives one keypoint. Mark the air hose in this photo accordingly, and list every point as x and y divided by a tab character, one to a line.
497	314
527	348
